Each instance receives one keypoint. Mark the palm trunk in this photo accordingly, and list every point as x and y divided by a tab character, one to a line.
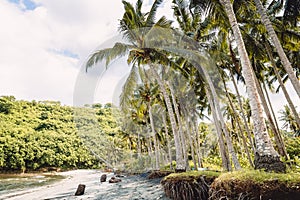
168	140
242	111
224	155
191	143
285	92
154	140
198	149
235	116
180	164
285	62
265	157
277	136
216	106
270	105
139	144
179	122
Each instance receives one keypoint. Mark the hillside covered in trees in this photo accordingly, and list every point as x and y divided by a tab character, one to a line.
38	135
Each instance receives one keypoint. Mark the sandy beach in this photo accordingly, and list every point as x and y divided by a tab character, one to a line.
133	187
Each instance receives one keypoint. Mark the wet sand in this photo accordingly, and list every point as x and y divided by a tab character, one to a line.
131	188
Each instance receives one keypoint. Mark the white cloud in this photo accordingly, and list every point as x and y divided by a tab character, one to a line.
35	45
42	49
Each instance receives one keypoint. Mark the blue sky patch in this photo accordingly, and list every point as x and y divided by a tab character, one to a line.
65	52
29	5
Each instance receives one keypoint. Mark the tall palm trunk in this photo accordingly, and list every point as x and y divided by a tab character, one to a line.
180	126
285	62
191	144
216	106
198	149
285	92
235	116
224	155
265	157
232	55
270	105
154	139
168	140
139	146
277	136
242	111
180	164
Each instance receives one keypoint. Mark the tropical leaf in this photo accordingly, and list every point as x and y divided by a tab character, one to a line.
151	15
128	87
109	54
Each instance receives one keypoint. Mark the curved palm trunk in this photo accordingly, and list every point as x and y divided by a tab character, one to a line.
239	98
285	62
265	157
180	164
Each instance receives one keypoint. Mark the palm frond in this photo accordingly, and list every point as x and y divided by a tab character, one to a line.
275	7
138	7
109	54
182	15
151	15
164	22
128	87
291	11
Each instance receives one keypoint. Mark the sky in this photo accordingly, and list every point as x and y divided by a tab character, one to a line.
45	43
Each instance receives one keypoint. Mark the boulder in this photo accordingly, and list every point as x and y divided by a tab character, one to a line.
103	178
114	180
80	190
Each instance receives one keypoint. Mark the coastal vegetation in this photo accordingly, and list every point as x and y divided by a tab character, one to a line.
181	107
44	136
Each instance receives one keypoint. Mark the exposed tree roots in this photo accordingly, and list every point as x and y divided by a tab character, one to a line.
187	188
249	190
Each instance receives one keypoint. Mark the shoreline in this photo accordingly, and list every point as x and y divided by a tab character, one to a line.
130	187
66	185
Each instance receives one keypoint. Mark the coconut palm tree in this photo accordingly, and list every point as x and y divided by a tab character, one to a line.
285	61
134	26
266	156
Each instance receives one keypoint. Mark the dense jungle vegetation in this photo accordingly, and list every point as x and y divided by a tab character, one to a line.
36	135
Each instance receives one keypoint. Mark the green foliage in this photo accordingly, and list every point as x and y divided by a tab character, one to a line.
35	135
261	176
192	174
293	146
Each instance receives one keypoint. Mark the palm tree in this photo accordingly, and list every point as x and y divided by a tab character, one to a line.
285	62
135	26
191	25
265	157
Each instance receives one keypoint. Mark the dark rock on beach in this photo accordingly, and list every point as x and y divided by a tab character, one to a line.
114	180
80	190
103	178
